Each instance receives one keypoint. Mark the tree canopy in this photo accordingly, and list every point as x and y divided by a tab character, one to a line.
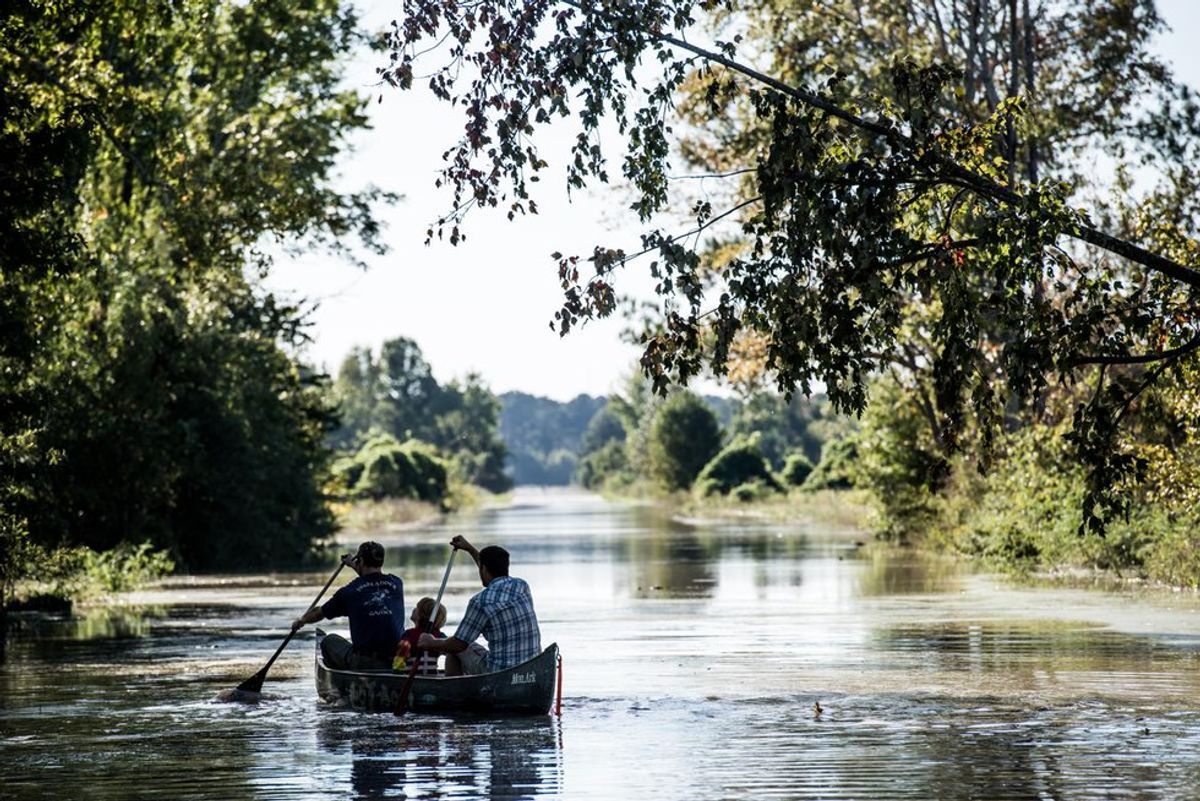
395	392
152	157
896	175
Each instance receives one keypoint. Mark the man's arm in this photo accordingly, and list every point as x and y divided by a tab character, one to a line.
311	616
460	542
450	645
336	604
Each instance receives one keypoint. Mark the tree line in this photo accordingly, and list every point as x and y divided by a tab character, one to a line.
153	156
404	435
748	447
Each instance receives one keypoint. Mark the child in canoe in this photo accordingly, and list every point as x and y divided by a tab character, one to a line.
407	647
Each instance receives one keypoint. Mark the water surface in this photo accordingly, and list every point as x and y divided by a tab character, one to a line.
694	654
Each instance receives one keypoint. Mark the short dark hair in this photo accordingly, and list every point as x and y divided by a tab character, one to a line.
371	554
495	559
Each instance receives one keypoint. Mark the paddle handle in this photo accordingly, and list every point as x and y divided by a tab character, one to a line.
311	606
442	589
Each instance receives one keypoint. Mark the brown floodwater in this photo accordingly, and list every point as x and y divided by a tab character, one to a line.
694	655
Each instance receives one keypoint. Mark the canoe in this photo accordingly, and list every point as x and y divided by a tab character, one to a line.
527	689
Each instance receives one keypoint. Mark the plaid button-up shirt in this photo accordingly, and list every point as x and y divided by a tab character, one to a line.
503	613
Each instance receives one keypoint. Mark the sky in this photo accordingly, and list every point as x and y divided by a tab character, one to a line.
485	306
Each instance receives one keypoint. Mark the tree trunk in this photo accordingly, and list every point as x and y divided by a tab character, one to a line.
1014	86
1027	24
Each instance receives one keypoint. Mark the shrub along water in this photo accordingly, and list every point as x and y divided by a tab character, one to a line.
1024	511
385	468
739	466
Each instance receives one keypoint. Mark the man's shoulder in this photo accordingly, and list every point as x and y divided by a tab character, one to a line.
351	585
507	587
514	584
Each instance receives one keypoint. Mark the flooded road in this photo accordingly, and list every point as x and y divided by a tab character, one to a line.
694	657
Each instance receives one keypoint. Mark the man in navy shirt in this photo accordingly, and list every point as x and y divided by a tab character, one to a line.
374	602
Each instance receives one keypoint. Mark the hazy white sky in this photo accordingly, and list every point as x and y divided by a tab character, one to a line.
485	305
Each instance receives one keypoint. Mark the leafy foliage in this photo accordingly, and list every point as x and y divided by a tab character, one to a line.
396	393
838	466
781	426
150	154
605	468
385	468
902	163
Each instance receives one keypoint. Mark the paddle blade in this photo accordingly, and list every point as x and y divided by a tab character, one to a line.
239	696
254	683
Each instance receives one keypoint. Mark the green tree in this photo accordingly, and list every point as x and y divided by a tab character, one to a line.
859	196
468	431
604	427
685	435
396	393
605	467
782	426
154	151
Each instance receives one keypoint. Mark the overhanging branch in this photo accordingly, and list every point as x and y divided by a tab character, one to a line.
887	131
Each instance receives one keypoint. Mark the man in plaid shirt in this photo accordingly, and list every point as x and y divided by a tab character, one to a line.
502	613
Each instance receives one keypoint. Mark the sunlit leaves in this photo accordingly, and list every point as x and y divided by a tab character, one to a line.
897	166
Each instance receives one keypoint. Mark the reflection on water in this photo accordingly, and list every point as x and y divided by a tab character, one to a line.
693	654
444	757
901	571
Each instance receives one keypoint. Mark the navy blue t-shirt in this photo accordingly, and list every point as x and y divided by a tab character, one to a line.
375	605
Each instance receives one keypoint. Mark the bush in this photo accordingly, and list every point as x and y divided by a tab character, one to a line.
387	469
606	466
796	469
738	463
755	490
74	572
126	567
837	467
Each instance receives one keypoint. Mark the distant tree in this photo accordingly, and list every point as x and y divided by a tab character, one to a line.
685	435
783	426
467	430
604	427
396	393
544	436
604	467
355	392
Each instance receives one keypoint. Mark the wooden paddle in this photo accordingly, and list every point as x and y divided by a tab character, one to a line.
402	703
253	685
